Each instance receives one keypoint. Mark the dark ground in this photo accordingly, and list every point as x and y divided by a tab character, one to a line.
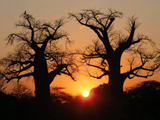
139	103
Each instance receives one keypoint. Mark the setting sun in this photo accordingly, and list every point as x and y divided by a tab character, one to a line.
85	93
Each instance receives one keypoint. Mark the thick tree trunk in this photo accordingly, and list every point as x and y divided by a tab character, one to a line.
116	80
115	93
115	85
42	88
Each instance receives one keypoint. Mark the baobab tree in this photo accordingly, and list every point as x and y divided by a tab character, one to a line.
37	55
106	53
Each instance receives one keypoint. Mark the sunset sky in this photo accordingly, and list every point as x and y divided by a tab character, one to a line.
148	12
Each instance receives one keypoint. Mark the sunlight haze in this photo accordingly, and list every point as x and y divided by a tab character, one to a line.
147	11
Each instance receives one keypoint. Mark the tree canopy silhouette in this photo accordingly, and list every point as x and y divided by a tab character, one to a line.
37	54
144	102
106	55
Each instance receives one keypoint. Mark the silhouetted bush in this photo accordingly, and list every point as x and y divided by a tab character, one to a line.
144	102
8	107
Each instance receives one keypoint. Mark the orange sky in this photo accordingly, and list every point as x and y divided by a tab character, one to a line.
148	12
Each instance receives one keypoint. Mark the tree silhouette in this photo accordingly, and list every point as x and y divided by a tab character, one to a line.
106	55
37	55
21	91
59	96
144	102
2	84
147	90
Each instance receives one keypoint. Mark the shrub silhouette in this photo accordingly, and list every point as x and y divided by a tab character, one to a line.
8	107
144	102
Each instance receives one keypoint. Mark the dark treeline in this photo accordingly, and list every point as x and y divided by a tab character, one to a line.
138	103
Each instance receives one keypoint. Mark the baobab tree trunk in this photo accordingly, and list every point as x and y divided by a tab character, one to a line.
115	85
42	86
116	81
115	91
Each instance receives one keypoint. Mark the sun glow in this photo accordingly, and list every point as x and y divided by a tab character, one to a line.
85	93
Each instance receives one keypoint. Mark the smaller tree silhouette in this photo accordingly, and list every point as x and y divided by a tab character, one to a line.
21	91
58	95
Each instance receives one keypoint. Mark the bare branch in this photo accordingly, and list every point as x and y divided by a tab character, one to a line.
102	69
18	77
19	37
55	72
144	58
98	77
